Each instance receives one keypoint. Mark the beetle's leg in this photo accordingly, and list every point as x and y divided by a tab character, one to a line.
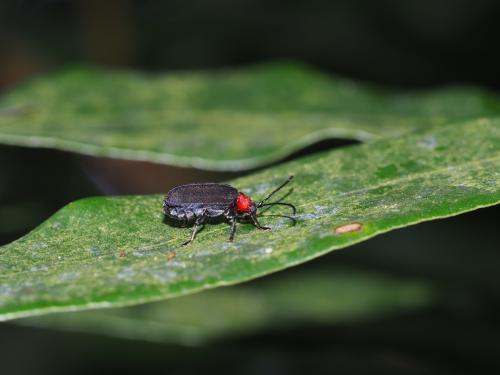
232	231
198	222
257	224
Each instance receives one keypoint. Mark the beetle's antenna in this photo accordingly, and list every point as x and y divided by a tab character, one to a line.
294	210
261	203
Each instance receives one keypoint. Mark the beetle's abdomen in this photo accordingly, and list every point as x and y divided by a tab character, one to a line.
201	194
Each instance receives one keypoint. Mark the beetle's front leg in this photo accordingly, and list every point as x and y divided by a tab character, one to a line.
257	224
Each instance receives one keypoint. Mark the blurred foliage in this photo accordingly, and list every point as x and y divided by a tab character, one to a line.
225	120
328	296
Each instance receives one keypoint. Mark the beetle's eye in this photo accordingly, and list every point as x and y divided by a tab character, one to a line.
243	203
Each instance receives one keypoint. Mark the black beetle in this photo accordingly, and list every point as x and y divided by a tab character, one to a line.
197	204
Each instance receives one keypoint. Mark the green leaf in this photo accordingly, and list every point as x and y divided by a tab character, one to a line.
103	252
220	120
325	296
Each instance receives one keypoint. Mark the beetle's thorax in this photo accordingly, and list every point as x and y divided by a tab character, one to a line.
244	203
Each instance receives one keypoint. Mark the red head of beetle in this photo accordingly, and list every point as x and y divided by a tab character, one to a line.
244	203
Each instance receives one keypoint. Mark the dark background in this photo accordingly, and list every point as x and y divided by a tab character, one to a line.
411	43
405	44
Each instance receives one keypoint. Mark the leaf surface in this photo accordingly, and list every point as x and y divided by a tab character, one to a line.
103	252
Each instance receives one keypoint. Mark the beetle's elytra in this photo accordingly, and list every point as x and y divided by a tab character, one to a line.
197	204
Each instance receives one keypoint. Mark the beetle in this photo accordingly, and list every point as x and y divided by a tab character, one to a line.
199	203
